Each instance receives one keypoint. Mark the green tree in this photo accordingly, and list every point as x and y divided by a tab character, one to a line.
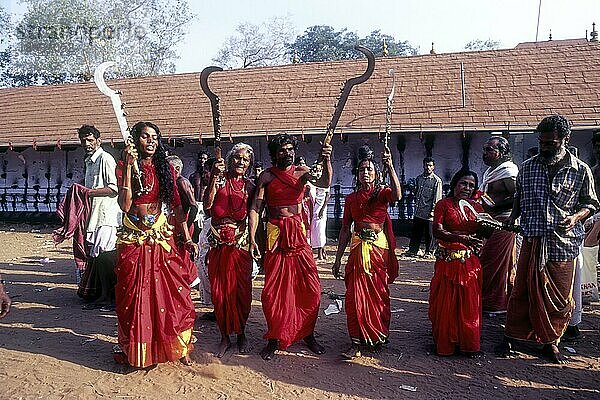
374	41
324	43
256	45
63	40
5	45
479	45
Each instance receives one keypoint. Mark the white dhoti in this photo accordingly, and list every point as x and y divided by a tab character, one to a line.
318	225
103	239
203	248
317	230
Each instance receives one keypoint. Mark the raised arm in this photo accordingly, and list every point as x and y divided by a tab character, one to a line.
325	180
210	192
388	164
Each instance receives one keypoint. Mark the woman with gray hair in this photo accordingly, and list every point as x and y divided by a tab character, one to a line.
228	260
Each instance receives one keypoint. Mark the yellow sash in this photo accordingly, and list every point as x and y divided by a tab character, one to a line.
366	247
159	232
273	232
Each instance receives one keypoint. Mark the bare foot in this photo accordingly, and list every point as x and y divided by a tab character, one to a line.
553	353
269	351
504	349
313	345
242	344
352	353
186	360
223	346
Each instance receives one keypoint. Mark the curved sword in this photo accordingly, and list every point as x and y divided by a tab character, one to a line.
215	106
115	98
345	92
388	116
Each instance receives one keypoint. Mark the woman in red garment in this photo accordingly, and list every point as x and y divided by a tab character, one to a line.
229	262
154	308
372	263
455	294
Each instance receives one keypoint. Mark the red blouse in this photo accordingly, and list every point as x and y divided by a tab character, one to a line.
285	189
231	200
360	208
447	213
151	183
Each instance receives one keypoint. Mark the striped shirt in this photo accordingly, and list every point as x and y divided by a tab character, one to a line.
544	204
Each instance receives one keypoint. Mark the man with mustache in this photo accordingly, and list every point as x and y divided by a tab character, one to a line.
292	291
554	193
99	279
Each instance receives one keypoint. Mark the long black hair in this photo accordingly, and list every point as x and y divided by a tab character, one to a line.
457	177
366	154
159	160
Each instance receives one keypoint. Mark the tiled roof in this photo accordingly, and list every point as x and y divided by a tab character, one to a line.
505	89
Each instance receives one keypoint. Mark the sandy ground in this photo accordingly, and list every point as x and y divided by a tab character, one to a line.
52	349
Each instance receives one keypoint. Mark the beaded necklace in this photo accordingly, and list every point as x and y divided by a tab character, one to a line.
232	189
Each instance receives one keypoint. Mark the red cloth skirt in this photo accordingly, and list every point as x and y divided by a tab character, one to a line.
292	293
153	304
455	305
368	298
229	271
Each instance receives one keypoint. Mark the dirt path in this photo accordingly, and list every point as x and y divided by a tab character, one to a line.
52	349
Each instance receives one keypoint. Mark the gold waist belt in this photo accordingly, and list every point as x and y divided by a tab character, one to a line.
451	255
159	232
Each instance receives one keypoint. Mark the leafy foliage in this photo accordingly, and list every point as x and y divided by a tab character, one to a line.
479	45
374	41
323	43
59	41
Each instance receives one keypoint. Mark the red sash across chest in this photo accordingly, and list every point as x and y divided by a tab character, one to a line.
285	189
363	208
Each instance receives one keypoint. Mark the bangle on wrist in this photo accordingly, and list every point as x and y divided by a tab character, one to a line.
124	188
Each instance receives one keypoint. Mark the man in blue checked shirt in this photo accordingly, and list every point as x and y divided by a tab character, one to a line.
554	193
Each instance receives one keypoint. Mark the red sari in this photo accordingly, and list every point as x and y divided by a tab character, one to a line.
292	293
229	262
455	292
367	292
153	303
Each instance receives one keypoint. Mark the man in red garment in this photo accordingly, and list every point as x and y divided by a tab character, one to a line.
291	296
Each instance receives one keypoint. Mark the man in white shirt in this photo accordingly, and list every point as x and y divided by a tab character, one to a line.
105	216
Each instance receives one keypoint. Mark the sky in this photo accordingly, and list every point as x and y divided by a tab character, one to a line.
450	24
